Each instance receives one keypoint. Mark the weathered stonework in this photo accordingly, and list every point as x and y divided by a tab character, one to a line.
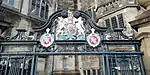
90	62
142	25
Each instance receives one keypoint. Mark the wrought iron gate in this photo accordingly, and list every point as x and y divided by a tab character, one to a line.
75	37
112	63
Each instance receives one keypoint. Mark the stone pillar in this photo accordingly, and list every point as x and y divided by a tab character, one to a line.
145	46
49	65
80	65
41	66
142	24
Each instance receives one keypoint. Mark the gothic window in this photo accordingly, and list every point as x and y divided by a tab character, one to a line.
40	8
114	22
121	21
107	21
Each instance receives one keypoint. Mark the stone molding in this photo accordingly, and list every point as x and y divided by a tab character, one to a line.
137	23
143	35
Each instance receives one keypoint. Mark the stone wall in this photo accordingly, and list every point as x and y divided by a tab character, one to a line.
90	62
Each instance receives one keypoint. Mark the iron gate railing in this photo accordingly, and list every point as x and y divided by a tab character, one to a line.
111	62
114	63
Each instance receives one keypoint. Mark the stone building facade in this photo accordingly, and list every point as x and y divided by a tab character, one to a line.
29	15
114	14
24	15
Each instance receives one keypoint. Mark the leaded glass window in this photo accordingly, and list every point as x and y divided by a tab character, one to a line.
120	20
114	22
107	21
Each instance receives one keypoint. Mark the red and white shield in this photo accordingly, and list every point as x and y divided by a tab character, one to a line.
47	39
93	39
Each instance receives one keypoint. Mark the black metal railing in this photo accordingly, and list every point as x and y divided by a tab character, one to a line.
111	62
114	63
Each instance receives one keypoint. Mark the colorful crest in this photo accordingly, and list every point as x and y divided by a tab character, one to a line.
93	39
47	39
70	28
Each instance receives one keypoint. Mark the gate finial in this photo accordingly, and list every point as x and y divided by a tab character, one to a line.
93	30
47	30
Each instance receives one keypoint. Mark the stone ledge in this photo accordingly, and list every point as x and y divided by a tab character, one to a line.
137	23
143	18
143	35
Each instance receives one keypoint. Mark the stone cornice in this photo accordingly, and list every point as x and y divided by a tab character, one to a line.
137	23
143	35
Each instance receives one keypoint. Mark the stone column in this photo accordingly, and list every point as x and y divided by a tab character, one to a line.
143	26
49	65
80	65
145	46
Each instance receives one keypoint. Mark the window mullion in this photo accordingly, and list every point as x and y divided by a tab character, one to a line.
108	24
33	5
118	25
47	10
40	8
114	22
120	20
44	9
111	25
